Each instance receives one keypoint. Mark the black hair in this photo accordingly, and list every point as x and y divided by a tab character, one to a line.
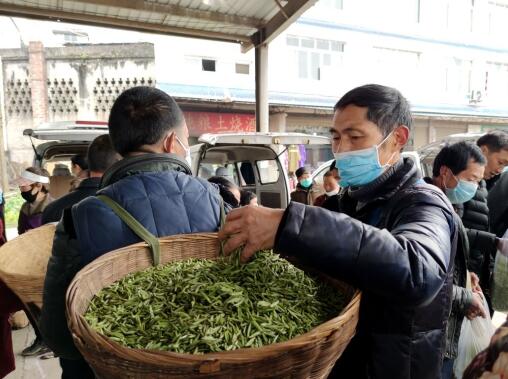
386	107
329	173
101	154
142	116
225	188
301	171
495	140
80	160
246	197
456	157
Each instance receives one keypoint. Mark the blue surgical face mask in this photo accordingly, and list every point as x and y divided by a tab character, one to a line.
360	167
464	191
306	183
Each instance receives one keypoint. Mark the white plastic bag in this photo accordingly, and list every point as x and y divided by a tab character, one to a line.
474	337
500	282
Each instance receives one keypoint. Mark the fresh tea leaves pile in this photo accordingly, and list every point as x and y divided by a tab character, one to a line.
202	306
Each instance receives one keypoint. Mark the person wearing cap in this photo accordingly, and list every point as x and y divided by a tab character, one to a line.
34	186
304	192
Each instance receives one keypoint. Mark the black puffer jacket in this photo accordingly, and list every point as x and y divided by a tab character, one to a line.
475	217
476	210
404	270
498	206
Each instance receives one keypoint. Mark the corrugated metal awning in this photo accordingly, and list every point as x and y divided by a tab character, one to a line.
248	22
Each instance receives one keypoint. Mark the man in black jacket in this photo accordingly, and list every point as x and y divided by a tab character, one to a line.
101	155
395	239
475	213
498	206
457	170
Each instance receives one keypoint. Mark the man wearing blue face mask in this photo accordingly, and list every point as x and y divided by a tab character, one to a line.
394	238
304	192
457	170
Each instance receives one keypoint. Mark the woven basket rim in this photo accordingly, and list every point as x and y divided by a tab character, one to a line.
75	321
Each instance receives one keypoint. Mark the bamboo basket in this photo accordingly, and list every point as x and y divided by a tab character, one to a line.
23	263
311	355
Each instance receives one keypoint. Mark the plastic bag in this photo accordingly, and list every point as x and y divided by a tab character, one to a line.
500	282
474	337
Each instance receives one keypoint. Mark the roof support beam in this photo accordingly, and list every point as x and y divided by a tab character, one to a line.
176	10
280	22
112	22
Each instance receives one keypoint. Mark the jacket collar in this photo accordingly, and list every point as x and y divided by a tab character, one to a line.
396	177
144	163
89	183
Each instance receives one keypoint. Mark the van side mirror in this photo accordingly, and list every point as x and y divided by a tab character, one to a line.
28	132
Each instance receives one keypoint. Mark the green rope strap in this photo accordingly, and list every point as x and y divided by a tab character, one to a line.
222	223
136	227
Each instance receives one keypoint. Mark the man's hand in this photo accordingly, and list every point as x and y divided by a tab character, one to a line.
252	227
475	283
476	309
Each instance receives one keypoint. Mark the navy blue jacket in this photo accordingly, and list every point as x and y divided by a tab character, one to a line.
165	203
158	191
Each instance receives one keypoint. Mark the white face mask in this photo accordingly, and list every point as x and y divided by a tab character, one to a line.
332	193
188	157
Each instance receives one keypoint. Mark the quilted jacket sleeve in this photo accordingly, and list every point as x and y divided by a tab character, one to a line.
408	265
462	300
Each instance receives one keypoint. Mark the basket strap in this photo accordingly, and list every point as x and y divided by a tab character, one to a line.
136	227
222	223
222	213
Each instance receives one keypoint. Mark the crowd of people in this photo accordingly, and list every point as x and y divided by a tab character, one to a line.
411	244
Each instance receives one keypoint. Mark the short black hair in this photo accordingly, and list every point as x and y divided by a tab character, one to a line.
80	160
495	140
225	188
386	107
142	116
456	157
301	171
101	154
246	197
329	173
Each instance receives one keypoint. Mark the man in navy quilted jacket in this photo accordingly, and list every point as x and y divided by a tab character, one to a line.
152	182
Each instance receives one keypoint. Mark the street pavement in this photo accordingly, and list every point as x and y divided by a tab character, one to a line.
31	367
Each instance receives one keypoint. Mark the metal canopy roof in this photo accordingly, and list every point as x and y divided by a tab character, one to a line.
249	22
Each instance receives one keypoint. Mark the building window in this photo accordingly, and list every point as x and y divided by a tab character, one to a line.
458	77
71	36
208	65
459	15
242	68
315	55
498	14
395	67
496	82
